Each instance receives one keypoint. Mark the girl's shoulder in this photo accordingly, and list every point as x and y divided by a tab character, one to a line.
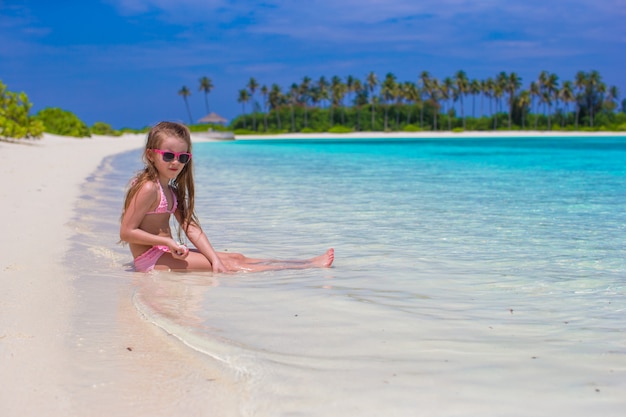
145	188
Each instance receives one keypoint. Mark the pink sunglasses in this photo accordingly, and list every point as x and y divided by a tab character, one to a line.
183	157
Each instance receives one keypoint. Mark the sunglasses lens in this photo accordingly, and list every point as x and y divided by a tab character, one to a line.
183	158
168	156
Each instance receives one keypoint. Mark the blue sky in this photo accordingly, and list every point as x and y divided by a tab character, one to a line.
124	61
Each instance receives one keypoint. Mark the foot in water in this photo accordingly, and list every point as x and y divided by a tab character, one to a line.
325	260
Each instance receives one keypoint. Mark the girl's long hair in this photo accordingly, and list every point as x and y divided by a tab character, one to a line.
183	185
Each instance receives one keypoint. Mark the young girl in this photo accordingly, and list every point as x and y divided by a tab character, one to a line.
165	187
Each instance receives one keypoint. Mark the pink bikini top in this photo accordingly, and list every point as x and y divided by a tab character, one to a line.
162	207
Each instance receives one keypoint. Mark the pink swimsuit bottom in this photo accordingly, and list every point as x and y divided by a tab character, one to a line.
147	260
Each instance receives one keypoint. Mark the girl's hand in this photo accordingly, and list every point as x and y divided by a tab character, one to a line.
218	266
179	251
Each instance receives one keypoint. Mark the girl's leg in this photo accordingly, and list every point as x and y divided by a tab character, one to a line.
237	261
195	261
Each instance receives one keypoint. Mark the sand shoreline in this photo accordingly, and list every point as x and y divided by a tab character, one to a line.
48	367
42	183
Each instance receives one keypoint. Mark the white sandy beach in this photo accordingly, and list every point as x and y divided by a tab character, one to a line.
41	185
42	180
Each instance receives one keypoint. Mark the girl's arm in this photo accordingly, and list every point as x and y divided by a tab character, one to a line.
145	199
197	236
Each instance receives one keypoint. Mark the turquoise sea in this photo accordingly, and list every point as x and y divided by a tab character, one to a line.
472	276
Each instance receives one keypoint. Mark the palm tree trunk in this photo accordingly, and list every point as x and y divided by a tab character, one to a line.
386	113
188	111
397	117
510	109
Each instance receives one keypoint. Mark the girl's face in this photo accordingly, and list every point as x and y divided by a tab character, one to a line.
168	170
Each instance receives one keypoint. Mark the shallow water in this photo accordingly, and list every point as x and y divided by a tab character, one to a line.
471	276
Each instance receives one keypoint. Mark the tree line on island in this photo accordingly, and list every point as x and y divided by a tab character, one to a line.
454	103
339	106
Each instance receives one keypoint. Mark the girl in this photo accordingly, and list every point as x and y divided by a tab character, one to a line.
165	187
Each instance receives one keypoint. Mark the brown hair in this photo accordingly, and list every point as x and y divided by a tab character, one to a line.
183	184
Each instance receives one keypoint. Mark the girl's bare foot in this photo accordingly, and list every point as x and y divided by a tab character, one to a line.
325	260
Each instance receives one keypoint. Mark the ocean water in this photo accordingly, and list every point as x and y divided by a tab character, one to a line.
472	276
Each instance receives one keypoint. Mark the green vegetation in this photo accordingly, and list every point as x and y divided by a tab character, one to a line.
453	104
62	122
340	129
430	104
15	121
101	128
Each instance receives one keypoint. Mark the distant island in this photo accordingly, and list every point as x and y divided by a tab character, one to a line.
428	104
454	104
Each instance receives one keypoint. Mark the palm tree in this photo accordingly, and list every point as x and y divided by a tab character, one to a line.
252	86
276	100
387	91
424	80
580	83
411	94
566	94
612	99
359	101
184	91
514	83
372	82
488	91
294	92
484	90
462	88
535	92
354	86
593	86
434	89
502	82
523	102
265	93
305	94
551	86
474	89
398	97
349	87
322	85
244	97
206	85
315	95
541	82
337	93
498	90
447	94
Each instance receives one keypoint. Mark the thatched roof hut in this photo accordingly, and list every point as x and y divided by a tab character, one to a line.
213	118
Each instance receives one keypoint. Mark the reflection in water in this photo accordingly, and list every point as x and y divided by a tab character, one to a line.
176	296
